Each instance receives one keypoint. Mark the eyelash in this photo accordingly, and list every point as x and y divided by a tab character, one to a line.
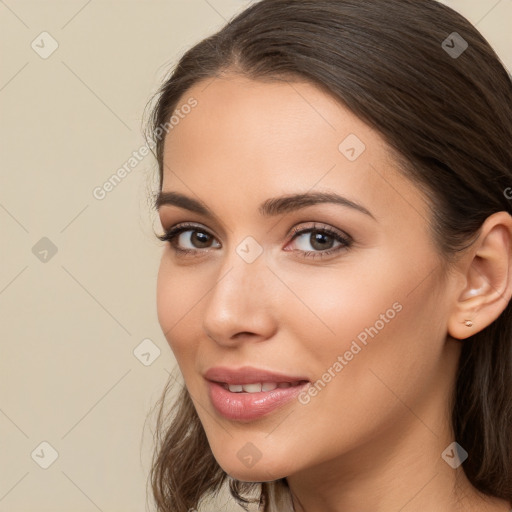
344	240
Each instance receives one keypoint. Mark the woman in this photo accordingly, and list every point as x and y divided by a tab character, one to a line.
337	280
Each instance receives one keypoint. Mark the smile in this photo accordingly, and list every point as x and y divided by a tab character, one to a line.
258	387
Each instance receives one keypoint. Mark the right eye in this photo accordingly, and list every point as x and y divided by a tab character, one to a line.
188	238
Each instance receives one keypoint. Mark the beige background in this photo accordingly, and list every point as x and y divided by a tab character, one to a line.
69	325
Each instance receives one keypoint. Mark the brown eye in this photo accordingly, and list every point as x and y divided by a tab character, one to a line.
319	241
198	239
188	238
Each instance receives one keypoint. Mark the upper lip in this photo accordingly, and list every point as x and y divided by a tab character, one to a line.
248	375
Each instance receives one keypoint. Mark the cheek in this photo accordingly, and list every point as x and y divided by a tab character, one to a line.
332	309
176	295
359	326
166	297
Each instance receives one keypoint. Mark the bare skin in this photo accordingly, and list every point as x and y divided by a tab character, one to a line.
372	438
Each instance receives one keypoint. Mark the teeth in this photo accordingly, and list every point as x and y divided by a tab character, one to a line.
252	388
258	386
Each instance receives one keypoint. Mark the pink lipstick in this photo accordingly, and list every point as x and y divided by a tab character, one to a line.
249	393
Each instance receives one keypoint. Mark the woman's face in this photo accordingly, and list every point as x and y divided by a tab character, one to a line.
359	311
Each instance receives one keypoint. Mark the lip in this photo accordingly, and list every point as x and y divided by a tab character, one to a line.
248	375
249	406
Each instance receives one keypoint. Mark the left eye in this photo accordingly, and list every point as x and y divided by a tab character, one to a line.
319	239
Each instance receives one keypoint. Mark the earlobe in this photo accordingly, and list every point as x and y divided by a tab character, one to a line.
487	287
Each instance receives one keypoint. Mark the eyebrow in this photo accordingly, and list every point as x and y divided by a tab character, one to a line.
269	208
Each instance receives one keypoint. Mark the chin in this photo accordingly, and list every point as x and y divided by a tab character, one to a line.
252	475
261	471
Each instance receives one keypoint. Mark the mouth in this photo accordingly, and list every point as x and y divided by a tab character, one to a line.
258	387
251	378
247	394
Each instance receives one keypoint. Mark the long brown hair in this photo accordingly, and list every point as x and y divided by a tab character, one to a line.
448	121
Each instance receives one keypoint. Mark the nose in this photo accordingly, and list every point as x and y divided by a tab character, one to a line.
240	305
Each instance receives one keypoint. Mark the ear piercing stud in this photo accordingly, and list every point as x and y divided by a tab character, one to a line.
468	323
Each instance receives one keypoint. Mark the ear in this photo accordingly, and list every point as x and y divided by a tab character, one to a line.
487	285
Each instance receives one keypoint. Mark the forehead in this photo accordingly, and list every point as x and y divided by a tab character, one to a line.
263	118
259	139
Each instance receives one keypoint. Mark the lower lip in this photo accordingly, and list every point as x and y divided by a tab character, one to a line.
250	406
